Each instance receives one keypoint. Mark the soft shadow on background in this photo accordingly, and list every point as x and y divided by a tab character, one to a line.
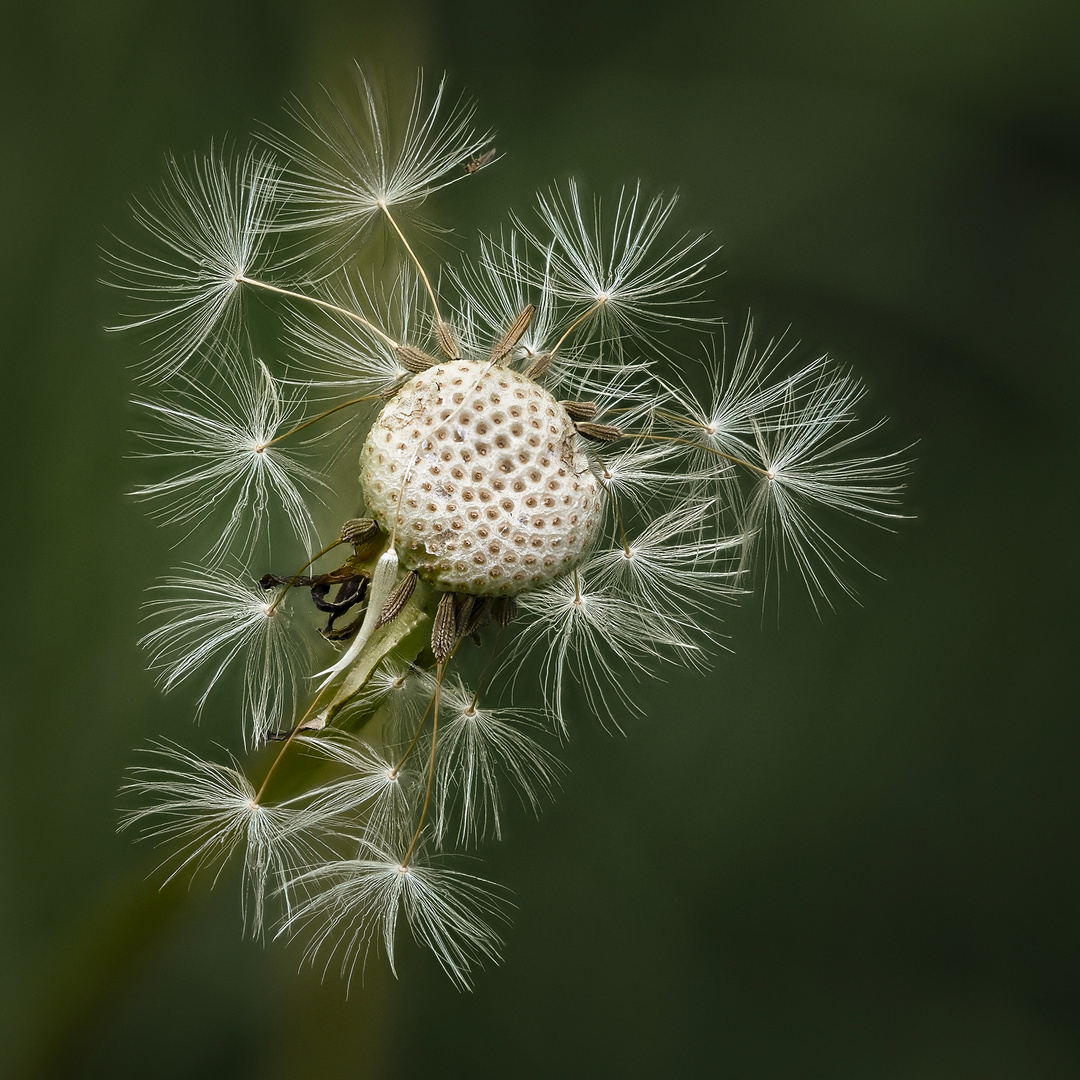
851	850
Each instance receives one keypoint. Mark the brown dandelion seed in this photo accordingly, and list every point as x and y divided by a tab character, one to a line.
414	359
580	410
397	599
444	628
603	433
513	335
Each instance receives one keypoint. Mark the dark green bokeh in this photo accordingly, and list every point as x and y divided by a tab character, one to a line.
849	851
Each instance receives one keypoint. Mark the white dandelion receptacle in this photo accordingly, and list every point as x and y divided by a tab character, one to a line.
478	474
541	486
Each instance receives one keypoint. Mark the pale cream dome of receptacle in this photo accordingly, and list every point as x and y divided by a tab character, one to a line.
478	475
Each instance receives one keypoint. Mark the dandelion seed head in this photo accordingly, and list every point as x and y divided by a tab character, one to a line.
477	473
541	487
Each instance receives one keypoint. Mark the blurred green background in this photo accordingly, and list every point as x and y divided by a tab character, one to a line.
851	850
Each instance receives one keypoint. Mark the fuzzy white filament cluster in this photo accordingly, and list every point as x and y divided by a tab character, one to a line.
423	489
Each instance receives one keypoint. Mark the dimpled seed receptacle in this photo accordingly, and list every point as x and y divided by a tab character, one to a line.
477	474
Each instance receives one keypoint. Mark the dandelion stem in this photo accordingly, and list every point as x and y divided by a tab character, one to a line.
431	763
577	322
415	260
698	446
412	743
297	728
615	505
675	418
314	420
487	667
325	304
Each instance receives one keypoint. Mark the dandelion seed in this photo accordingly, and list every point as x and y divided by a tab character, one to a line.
398	695
744	397
362	899
373	784
346	355
674	567
637	475
230	445
614	265
358	168
494	289
208	811
805	467
208	620
478	746
211	223
594	636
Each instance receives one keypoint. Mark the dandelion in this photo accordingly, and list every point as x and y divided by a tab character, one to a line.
209	620
478	746
536	491
209	227
209	811
625	269
357	167
357	902
233	456
372	789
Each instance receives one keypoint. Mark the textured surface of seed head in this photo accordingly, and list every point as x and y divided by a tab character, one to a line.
478	474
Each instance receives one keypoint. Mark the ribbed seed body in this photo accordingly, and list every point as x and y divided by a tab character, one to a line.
477	473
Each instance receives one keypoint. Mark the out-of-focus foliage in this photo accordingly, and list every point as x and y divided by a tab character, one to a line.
858	861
